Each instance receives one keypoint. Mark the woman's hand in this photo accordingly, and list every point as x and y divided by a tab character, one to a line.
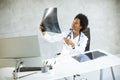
69	42
41	28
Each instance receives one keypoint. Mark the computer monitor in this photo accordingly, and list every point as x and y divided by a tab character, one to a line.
19	47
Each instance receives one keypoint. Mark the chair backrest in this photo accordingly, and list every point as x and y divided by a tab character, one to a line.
87	33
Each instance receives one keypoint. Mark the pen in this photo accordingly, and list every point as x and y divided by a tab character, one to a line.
45	62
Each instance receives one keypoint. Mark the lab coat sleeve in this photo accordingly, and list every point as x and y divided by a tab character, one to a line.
54	38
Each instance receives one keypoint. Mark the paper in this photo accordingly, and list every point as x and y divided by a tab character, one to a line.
50	21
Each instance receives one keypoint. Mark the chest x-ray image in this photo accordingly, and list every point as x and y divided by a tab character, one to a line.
50	21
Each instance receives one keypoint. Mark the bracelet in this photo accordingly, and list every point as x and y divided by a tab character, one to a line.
73	47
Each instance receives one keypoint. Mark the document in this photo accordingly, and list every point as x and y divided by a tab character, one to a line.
50	21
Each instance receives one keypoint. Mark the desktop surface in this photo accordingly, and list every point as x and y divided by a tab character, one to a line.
67	66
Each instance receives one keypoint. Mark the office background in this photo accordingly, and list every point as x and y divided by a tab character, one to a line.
22	17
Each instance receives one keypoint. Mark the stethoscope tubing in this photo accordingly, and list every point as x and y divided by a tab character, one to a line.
69	36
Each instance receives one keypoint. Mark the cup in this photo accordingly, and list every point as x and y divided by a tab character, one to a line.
44	69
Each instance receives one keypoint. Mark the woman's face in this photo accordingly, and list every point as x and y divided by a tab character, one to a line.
76	25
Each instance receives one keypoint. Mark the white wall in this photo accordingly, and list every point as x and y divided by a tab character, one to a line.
21	18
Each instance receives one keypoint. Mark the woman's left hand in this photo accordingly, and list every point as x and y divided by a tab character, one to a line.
69	42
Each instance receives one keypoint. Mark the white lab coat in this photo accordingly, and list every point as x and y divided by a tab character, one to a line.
67	49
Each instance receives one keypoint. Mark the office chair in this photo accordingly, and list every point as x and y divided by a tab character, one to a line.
87	33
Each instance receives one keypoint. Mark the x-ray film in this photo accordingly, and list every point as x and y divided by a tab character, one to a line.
50	21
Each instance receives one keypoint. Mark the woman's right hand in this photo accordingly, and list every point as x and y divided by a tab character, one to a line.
41	28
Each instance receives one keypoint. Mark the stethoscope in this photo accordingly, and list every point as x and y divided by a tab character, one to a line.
69	36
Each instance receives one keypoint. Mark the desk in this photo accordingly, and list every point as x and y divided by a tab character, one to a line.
68	66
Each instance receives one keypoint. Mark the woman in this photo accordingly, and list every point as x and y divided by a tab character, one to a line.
75	41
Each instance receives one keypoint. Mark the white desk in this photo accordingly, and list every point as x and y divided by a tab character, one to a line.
67	66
